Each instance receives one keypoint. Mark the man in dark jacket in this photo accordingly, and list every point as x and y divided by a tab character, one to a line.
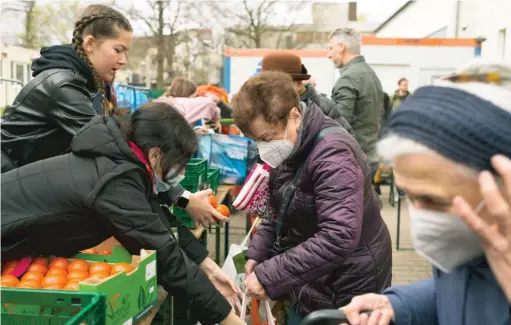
65	204
292	65
358	92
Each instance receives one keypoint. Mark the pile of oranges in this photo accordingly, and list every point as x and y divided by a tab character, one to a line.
223	209
59	274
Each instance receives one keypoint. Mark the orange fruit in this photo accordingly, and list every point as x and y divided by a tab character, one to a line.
119	267
8	271
53	279
10	264
78	265
59	262
77	275
72	286
32	276
105	252
38	268
100	267
40	260
9	281
57	286
213	201
29	284
57	271
89	251
99	275
224	210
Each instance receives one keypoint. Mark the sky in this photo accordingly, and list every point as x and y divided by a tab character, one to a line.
374	10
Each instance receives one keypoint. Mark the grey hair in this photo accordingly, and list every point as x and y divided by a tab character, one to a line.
350	37
499	94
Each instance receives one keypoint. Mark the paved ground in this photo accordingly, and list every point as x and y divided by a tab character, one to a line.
407	265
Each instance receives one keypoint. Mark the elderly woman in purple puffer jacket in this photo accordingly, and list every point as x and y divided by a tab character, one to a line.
329	242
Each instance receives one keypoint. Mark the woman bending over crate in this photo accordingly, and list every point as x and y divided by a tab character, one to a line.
107	186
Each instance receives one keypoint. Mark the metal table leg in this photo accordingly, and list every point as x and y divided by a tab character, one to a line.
217	244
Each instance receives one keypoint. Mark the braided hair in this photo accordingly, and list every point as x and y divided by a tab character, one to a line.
101	22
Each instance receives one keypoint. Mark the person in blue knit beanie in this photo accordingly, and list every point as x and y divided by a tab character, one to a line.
450	146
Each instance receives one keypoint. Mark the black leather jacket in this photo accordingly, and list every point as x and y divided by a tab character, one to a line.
45	116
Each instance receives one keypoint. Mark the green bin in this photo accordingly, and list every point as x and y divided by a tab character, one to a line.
43	307
213	179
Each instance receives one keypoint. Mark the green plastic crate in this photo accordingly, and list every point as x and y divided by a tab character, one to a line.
226	121
43	307
155	93
184	217
196	175
213	178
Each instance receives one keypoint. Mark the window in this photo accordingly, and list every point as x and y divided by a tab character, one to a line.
29	72
18	72
502	43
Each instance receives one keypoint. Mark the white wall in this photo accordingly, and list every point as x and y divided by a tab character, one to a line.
419	20
476	18
15	64
419	64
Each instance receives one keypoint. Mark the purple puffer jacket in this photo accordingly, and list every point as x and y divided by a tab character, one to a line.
343	246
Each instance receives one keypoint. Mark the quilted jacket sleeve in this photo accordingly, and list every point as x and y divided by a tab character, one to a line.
338	186
70	107
262	242
130	219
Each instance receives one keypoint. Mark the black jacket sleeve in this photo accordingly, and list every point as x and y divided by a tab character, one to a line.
187	241
171	195
70	107
128	215
225	110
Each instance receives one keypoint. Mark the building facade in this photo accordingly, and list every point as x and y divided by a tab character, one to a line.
486	20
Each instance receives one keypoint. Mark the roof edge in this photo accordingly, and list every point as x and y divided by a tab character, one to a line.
394	15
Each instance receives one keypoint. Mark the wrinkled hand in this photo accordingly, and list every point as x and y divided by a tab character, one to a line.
381	310
201	211
222	282
249	266
254	288
217	125
202	131
495	232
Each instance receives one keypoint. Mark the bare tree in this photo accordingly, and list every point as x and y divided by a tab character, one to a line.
58	20
252	24
26	9
162	24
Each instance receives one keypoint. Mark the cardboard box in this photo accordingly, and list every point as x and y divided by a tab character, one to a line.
119	254
128	296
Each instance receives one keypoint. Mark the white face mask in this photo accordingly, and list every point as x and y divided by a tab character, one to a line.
275	152
444	240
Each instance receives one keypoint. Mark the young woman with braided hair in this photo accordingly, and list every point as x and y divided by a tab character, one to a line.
67	90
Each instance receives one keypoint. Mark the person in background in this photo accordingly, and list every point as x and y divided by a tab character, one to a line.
330	242
57	102
451	148
358	92
107	186
182	94
401	94
292	65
